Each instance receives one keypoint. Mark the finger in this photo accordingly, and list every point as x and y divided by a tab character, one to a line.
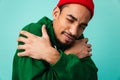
22	54
27	34
90	54
21	47
85	40
89	49
44	32
86	54
88	45
22	39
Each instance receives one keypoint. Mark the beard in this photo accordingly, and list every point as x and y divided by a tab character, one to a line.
68	43
63	45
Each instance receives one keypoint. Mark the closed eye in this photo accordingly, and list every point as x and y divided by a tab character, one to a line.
70	20
83	25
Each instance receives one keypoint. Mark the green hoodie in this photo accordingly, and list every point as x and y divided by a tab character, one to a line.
68	67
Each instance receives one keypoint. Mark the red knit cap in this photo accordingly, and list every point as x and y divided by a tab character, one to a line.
87	3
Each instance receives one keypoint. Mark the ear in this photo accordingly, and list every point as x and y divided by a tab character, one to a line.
56	12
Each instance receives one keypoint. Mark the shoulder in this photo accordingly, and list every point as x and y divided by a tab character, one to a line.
35	28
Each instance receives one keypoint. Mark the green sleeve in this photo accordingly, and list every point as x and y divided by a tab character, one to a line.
68	67
25	68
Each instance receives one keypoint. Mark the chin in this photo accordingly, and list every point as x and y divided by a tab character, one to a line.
62	43
65	43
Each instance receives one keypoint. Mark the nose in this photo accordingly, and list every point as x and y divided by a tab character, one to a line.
74	30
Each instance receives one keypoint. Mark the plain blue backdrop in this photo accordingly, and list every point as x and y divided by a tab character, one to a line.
103	32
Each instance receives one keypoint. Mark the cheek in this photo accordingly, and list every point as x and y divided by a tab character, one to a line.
80	32
64	25
58	29
61	25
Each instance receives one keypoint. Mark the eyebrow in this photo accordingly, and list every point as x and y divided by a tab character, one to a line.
72	17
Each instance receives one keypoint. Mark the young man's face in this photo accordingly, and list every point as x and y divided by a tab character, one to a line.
70	23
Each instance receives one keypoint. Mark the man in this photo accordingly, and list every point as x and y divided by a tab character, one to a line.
56	50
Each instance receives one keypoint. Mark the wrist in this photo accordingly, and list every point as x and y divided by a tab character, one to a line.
67	52
53	56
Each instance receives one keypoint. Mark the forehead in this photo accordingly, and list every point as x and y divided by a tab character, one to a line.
76	10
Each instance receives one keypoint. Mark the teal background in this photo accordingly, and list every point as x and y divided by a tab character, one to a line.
103	32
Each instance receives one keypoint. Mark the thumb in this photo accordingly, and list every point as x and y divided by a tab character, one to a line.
44	32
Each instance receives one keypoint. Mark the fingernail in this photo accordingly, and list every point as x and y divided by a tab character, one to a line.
44	25
18	54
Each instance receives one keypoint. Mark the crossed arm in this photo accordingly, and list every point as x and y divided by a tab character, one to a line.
40	47
67	65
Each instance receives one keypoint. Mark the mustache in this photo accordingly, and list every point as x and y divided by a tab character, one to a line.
73	36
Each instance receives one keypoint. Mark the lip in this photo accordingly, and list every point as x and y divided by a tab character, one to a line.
69	38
